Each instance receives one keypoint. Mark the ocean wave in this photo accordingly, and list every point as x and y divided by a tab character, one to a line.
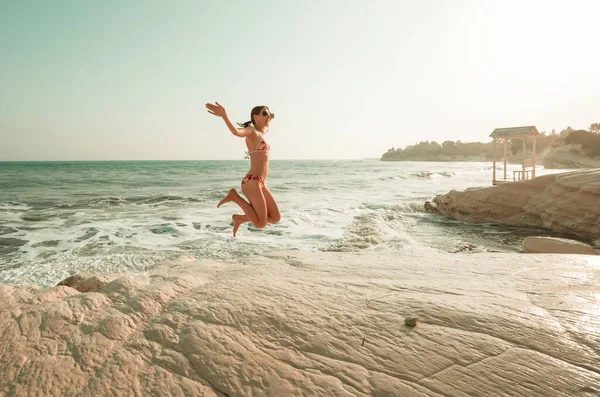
38	217
369	230
13	206
12	242
409	208
7	230
429	174
166	199
115	201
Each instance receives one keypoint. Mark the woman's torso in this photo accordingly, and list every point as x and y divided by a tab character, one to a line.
258	152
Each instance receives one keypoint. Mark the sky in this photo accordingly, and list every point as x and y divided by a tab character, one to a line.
347	79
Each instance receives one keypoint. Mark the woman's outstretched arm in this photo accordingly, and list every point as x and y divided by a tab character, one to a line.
219	111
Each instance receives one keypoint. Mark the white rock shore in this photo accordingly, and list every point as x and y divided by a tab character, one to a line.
567	203
312	324
555	245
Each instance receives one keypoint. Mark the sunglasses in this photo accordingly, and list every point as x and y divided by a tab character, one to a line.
267	114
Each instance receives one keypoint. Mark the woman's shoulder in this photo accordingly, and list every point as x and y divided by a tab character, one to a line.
253	131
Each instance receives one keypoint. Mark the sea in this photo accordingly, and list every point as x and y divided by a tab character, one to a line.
62	218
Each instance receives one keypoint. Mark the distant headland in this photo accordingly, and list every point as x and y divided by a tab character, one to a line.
568	149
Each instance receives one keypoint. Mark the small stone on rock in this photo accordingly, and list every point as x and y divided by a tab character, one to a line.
411	321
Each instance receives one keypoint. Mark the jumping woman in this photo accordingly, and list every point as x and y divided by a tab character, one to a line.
261	207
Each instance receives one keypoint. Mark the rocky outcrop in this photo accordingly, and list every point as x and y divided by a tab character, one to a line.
566	203
568	157
554	245
310	324
573	149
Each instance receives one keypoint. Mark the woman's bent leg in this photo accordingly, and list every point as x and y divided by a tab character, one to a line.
256	210
273	214
253	191
234	196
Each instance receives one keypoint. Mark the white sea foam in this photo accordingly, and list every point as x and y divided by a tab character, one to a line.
131	215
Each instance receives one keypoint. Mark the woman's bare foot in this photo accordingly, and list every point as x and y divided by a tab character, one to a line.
227	198
237	221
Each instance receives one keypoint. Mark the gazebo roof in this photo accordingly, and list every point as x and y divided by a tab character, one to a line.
513	132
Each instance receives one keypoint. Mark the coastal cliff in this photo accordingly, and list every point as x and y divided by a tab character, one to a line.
567	203
569	157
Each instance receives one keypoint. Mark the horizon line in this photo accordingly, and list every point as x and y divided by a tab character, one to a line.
173	160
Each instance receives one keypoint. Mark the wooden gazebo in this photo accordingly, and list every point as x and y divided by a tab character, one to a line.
525	134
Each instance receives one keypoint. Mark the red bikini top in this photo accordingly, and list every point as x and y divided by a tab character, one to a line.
262	147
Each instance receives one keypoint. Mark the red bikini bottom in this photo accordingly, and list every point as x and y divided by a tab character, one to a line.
250	177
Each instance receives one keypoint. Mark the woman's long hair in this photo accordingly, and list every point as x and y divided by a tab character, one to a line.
255	110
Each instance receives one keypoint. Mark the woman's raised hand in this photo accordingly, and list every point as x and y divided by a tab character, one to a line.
216	109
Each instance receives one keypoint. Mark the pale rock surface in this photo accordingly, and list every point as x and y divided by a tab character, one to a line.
568	156
312	324
567	203
555	245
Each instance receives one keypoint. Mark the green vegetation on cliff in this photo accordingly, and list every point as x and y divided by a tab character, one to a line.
447	151
479	151
590	142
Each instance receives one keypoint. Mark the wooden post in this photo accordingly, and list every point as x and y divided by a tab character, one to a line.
505	140
533	172
524	157
494	162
